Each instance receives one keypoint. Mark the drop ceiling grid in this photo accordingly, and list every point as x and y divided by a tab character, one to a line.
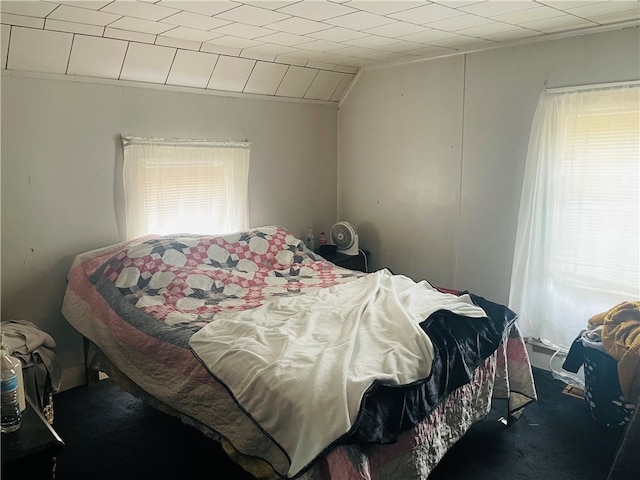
176	43
94	56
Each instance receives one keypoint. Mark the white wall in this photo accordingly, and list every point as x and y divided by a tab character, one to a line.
400	139
62	167
431	155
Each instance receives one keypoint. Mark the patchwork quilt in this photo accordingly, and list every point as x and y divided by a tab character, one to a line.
141	302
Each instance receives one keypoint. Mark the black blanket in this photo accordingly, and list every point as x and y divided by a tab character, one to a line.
461	344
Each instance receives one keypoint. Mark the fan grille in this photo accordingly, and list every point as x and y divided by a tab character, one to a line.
342	235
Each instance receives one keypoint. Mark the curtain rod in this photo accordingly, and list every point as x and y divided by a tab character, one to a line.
197	143
594	86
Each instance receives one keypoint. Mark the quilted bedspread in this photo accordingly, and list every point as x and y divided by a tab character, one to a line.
142	301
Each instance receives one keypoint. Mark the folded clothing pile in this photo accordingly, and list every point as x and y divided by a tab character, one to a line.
40	368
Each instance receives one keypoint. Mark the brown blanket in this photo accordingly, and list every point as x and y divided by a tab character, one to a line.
621	340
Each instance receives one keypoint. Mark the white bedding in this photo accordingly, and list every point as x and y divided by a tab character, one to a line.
300	369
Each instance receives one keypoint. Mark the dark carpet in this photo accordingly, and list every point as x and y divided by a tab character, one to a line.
110	434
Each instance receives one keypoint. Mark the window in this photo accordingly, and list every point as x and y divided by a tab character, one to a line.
185	186
578	240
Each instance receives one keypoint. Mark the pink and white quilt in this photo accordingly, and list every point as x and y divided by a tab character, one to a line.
142	301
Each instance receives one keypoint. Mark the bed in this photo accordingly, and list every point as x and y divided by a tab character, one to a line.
300	368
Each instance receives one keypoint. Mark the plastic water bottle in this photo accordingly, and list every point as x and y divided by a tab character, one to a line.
10	414
311	242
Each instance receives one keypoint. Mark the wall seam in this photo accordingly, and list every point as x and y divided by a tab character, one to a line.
461	181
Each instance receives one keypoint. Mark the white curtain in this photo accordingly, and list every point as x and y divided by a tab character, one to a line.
185	186
578	244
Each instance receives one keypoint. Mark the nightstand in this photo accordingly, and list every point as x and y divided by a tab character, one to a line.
358	262
29	452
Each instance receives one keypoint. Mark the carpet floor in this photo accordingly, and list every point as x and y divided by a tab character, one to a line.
110	434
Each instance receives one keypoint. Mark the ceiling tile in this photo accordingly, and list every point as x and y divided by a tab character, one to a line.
257	17
146	11
91	4
564	4
390	57
82	15
321	65
478	44
321	45
234	42
271	4
558	24
519	34
428	36
231	74
39	50
220	49
370	41
265	56
4	43
624	16
454	41
192	69
345	69
298	26
265	78
400	47
455	24
342	88
127	35
537	13
192	34
431	51
395	29
292	59
384	7
21	20
313	57
73	27
141	26
594	10
30	9
317	10
208	8
360	21
355	62
195	20
426	14
147	63
488	29
463	3
244	31
271	49
491	9
177	43
323	85
288	39
337	34
96	57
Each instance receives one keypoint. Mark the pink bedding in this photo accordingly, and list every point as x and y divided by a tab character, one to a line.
146	339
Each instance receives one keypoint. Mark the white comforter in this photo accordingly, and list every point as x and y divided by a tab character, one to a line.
299	366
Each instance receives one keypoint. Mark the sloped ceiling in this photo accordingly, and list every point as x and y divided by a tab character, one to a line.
292	49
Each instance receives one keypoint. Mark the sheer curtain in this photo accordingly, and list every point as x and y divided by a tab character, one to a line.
578	244
185	186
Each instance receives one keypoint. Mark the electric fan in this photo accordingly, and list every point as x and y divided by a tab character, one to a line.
345	238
